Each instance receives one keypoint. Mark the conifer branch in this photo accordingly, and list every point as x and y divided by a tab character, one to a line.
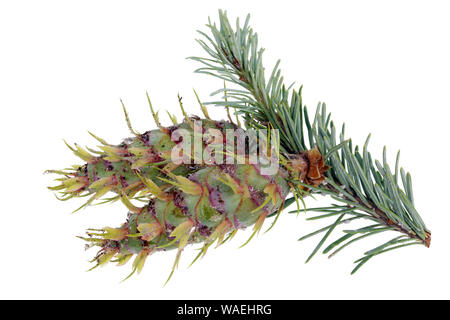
363	188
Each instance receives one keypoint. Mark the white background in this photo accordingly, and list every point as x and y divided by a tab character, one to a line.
382	67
